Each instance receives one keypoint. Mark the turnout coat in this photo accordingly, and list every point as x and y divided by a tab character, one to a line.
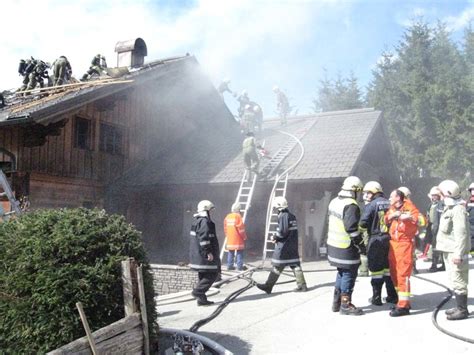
286	241
203	240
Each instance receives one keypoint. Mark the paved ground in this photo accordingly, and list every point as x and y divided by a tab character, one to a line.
302	323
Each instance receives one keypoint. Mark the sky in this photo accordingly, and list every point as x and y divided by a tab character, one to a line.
257	44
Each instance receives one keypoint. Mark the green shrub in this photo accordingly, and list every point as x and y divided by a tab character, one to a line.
51	259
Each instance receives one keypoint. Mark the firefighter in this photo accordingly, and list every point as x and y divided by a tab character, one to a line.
373	222
251	160
223	87
204	252
62	71
421	231
25	68
243	100
98	66
402	219
345	244
364	263
470	210
454	241
435	211
283	106
234	230
248	119
37	76
286	248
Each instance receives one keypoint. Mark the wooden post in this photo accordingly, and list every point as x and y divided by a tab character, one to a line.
128	300
85	324
141	293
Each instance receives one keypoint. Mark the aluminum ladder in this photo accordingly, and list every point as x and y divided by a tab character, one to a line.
279	189
244	198
7	191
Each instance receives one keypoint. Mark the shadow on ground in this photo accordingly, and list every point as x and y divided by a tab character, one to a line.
230	342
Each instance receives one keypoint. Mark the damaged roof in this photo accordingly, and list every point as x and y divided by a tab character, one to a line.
62	99
333	146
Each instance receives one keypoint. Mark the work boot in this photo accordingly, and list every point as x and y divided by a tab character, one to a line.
300	281
376	298
271	281
461	311
204	302
347	308
392	295
399	312
336	301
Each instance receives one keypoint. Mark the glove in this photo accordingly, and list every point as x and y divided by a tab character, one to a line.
359	244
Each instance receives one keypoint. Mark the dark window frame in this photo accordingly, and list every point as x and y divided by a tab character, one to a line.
83	139
111	139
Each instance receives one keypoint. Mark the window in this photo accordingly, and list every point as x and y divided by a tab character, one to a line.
83	134
110	139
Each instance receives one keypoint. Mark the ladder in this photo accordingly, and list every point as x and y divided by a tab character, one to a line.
15	205
244	198
279	189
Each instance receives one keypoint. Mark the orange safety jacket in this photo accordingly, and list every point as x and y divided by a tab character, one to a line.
403	230
234	229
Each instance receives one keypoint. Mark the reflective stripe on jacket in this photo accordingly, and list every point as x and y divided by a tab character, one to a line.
234	230
203	241
337	235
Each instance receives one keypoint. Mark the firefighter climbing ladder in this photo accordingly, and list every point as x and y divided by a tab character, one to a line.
15	205
280	186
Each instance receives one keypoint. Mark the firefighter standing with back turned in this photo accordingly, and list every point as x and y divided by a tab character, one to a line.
379	242
345	244
286	248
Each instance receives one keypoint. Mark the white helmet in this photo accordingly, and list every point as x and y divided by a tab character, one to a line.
256	109
205	205
471	187
352	183
276	88
373	187
247	107
235	207
226	80
434	191
244	93
280	203
450	188
406	191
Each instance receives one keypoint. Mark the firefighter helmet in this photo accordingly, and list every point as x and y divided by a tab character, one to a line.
471	187
449	188
352	183
373	187
276	88
235	207
280	203
406	191
205	205
434	191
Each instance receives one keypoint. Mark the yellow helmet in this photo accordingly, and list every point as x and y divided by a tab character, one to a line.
352	183
450	188
373	187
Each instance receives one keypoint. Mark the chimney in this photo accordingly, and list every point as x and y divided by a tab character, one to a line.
131	53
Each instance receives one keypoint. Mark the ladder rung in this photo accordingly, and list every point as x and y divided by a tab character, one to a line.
244	194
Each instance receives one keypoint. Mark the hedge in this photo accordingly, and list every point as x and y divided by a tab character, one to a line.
51	259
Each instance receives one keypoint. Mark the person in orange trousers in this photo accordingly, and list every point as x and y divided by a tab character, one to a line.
402	217
234	230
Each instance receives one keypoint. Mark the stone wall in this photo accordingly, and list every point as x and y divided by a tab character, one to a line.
172	278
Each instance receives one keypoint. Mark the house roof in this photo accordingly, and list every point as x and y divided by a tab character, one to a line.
333	145
65	98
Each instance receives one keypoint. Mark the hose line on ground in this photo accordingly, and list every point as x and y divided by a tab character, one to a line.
438	308
194	328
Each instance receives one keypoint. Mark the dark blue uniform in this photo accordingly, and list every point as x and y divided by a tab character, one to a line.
203	241
372	220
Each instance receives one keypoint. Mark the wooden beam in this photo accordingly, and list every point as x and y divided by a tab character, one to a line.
85	324
127	282
141	293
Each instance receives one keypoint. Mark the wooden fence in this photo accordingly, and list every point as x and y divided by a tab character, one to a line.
129	335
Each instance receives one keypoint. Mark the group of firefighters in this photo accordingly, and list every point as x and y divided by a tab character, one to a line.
35	71
250	113
390	225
